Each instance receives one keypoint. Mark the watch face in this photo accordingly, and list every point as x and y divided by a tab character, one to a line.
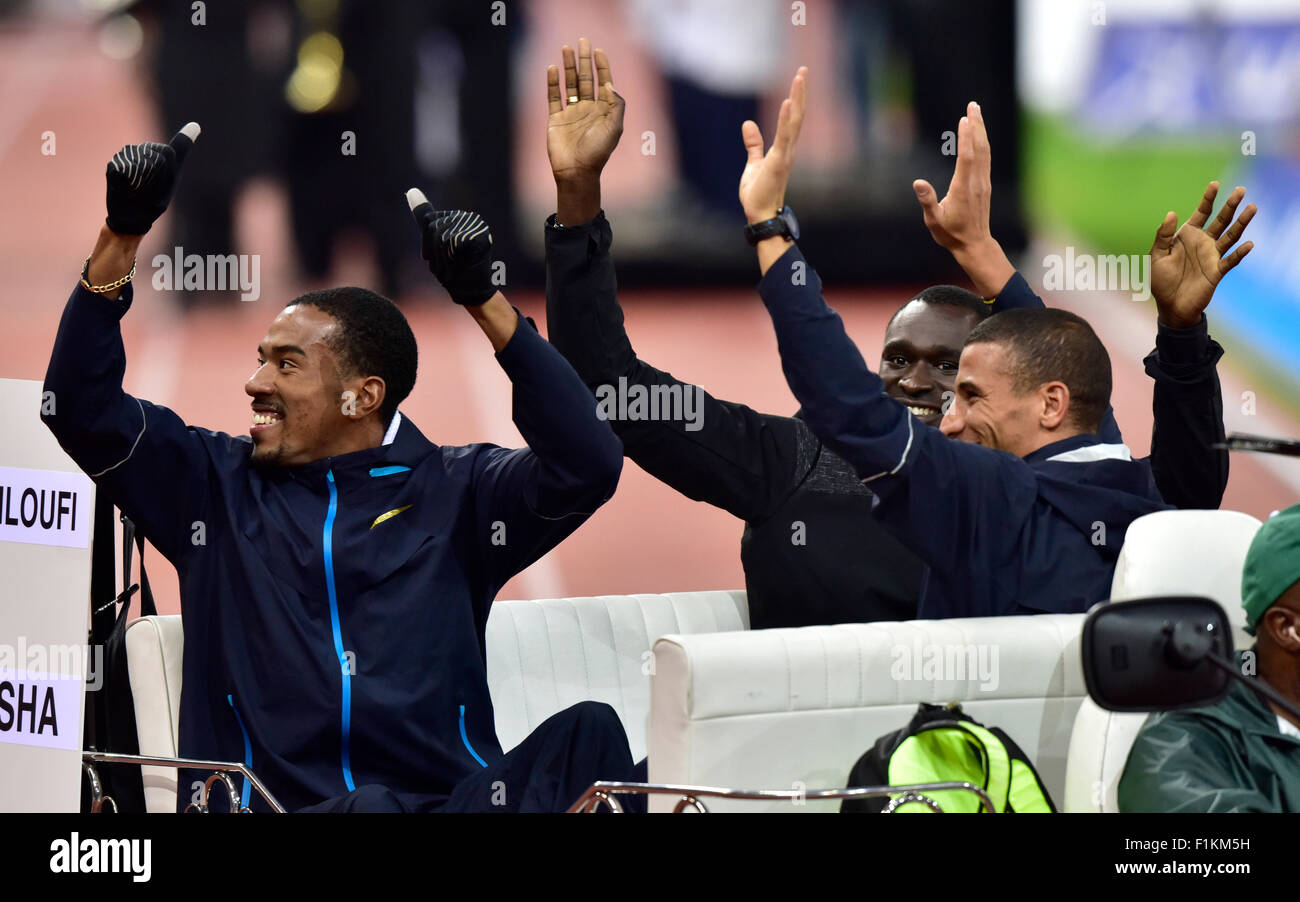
791	223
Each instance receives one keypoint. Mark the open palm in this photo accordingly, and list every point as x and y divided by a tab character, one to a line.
765	177
581	136
1188	263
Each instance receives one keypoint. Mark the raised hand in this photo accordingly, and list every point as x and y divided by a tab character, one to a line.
458	247
581	136
961	219
960	222
141	179
763	183
1187	263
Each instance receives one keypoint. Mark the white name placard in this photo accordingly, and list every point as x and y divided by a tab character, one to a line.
41	709
45	507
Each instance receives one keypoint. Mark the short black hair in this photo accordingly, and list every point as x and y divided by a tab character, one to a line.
1050	345
373	339
947	296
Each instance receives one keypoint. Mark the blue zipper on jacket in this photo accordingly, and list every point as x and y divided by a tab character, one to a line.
346	754
248	752
464	737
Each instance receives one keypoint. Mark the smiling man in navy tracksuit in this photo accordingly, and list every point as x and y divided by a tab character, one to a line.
337	567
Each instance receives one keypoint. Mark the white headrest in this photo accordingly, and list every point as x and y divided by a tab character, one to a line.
1187	552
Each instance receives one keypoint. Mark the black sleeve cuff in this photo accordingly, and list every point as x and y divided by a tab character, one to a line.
1183	346
1016	294
116	308
780	274
593	237
521	344
1183	355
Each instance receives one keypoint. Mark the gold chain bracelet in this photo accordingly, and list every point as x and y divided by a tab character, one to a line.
104	289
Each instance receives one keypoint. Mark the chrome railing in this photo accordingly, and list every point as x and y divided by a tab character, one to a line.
604	792
221	773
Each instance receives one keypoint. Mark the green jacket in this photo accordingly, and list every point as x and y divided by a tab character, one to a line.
1225	757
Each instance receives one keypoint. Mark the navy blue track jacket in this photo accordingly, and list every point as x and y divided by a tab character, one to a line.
1000	534
334	613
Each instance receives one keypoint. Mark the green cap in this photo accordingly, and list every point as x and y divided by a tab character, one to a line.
1272	564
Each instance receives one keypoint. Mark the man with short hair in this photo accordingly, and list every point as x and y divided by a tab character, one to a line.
1052	349
1032	521
1243	753
336	567
1188	460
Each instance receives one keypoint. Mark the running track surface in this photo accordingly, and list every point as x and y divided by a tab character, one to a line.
646	539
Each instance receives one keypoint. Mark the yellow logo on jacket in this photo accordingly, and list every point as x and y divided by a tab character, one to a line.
389	515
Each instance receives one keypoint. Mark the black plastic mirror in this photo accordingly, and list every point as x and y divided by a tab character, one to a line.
1152	654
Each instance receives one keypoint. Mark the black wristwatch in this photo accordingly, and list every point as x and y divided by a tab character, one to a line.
783	223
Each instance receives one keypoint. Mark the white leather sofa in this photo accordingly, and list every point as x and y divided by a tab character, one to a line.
1167	553
795	708
543	656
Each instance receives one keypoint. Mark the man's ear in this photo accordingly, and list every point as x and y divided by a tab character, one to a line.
1283	627
362	398
1055	398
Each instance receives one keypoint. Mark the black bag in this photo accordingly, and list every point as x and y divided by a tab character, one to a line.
110	711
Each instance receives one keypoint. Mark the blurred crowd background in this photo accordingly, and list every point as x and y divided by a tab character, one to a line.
443	93
318	114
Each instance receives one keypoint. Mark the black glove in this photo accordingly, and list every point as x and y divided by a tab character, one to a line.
458	247
141	179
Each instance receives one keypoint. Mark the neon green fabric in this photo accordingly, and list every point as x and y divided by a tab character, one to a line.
1026	797
968	753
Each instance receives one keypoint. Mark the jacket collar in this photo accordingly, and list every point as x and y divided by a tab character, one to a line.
392	428
1244	710
1079	449
403	446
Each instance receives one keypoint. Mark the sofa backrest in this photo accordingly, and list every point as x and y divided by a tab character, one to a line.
795	708
154	647
1181	552
544	656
